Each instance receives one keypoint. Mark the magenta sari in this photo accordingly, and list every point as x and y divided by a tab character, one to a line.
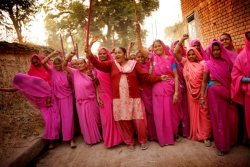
167	115
185	128
110	133
146	95
64	100
224	115
240	92
37	91
87	107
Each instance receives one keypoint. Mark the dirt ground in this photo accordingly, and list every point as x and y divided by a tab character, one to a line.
183	154
19	124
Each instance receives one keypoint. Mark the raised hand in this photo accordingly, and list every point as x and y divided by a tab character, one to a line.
93	40
184	37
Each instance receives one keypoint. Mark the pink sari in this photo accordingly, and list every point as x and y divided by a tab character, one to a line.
240	91
110	133
200	125
202	52
87	107
39	71
64	99
224	115
37	91
167	115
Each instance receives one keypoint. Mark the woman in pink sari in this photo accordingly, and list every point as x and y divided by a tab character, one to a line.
224	116
240	86
146	95
110	133
165	94
86	102
195	73
197	44
227	42
185	128
64	99
41	95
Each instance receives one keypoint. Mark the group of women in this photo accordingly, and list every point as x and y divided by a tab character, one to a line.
159	94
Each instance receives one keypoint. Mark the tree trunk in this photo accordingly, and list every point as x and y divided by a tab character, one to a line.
16	26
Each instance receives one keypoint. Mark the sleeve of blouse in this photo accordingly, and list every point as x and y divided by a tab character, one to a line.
145	76
102	66
205	68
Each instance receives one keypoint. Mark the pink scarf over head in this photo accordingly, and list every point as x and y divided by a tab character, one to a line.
104	78
220	67
231	50
35	89
203	52
193	73
39	71
166	50
173	44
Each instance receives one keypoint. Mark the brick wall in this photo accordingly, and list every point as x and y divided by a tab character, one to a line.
217	16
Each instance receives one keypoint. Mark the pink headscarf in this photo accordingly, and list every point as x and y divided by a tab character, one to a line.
166	49
232	52
104	78
173	44
203	52
39	71
217	67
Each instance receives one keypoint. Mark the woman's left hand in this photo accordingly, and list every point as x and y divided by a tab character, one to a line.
175	98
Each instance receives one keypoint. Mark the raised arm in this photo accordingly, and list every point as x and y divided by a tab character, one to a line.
177	49
103	66
130	46
66	61
47	58
139	42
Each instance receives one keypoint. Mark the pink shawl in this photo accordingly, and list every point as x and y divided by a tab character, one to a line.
241	69
35	89
40	71
203	52
193	74
220	67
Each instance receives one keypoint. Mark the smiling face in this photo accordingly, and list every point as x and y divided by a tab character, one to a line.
226	40
140	58
120	55
82	65
216	52
157	47
58	63
191	56
102	54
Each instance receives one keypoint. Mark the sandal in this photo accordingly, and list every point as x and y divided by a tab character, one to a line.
131	147
144	146
207	143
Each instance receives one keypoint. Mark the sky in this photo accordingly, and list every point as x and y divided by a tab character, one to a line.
168	14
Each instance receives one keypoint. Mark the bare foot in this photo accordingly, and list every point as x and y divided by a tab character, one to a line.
144	146
219	153
207	143
131	147
72	144
51	146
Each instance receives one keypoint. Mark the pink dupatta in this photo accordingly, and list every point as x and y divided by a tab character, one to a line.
203	52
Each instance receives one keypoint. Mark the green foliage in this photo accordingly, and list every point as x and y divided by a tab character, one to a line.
118	17
19	11
175	31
